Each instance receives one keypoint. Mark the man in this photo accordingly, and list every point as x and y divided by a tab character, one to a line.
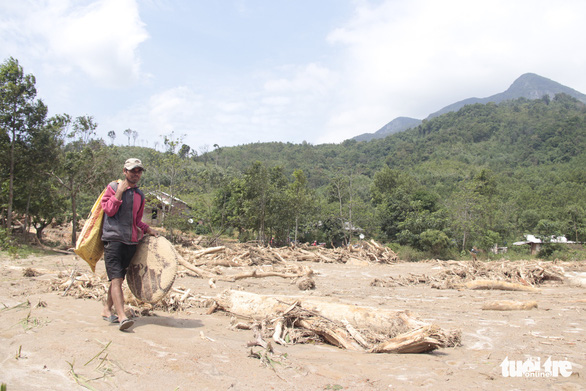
123	205
474	253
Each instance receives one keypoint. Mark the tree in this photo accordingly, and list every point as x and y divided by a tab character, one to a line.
260	202
473	209
406	209
576	220
112	136
229	206
20	116
301	198
83	165
339	194
43	201
128	133
465	207
280	208
168	171
184	151
218	152
256	198
84	128
435	241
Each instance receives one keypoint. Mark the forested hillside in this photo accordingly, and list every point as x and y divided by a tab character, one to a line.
494	173
482	176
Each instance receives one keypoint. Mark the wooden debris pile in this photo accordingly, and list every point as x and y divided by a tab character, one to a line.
504	275
84	286
213	262
178	299
80	286
252	255
289	320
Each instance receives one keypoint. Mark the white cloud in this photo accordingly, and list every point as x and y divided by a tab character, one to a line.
99	38
412	58
390	58
312	78
282	108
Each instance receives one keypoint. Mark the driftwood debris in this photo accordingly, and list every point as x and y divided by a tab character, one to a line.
503	275
509	305
248	255
285	271
84	286
576	278
347	326
254	261
499	285
420	340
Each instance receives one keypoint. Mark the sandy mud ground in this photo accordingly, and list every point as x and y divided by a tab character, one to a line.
52	342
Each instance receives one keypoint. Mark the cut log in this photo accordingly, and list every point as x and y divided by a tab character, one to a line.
334	335
509	305
199	271
153	268
421	340
206	251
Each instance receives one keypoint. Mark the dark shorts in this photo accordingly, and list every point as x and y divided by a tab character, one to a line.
117	256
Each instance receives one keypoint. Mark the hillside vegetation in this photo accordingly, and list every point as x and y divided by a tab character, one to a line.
490	173
482	176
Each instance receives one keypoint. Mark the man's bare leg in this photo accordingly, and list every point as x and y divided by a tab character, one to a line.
108	303
116	296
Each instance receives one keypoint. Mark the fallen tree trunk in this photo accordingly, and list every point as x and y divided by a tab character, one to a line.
209	250
260	274
499	285
258	307
509	305
389	331
199	271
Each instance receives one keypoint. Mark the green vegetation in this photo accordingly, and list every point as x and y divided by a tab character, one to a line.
483	176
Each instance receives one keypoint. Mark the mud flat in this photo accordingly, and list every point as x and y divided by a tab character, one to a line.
52	341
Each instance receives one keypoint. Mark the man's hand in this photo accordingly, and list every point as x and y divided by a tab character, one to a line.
122	186
152	232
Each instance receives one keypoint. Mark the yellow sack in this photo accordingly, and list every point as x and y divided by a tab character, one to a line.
89	245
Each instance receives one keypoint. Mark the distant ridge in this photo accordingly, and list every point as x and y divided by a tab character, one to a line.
528	85
399	124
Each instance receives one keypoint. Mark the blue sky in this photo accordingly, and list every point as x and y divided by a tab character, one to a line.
232	72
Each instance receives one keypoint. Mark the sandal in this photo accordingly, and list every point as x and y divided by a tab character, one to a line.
126	324
111	318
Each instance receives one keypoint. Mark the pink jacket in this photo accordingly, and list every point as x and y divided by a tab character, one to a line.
123	219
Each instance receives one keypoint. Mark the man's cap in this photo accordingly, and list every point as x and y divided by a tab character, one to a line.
132	163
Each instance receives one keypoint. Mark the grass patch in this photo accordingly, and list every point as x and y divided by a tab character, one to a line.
105	367
23	305
30	322
24	251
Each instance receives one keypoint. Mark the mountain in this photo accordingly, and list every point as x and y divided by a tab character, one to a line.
528	85
397	125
